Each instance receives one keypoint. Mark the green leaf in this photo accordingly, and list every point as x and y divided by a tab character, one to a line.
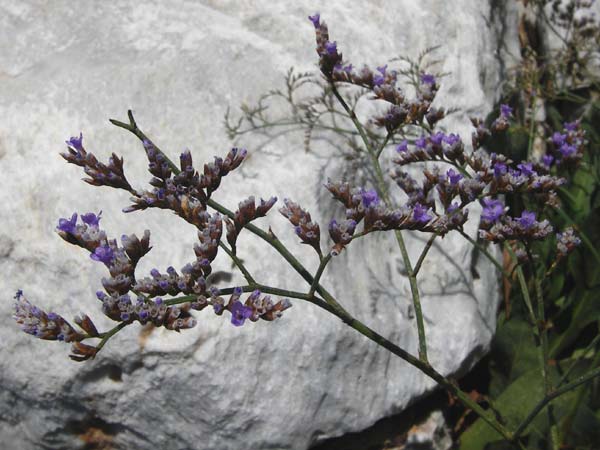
586	311
514	404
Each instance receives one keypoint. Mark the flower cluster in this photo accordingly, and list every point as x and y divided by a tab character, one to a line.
365	204
247	211
566	242
566	148
381	82
120	308
99	174
498	227
254	308
49	326
307	230
184	191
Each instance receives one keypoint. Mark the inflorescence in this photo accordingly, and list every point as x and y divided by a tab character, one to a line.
437	203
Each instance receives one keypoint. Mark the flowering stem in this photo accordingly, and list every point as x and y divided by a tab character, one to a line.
269	237
543	332
239	264
110	333
329	303
385	141
324	260
487	254
424	254
382	188
133	128
425	367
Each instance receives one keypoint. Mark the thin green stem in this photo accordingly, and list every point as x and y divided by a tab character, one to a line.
110	333
424	254
269	237
570	369
524	292
239	264
383	191
324	260
553	395
485	252
543	332
382	146
329	303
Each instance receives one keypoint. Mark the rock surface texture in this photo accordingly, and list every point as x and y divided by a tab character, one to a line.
67	67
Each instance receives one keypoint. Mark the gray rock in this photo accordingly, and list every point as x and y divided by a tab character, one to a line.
66	67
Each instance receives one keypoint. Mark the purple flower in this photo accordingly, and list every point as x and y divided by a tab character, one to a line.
558	139
438	138
427	78
239	313
567	150
382	69
547	160
68	225
76	142
315	20
103	253
506	111
567	241
402	147
378	80
453	177
571	126
499	169
452	139
331	47
91	219
527	169
492	210
420	213
369	198
421	142
527	219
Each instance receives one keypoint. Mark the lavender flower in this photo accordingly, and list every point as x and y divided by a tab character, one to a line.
566	242
103	253
527	219
402	147
506	111
239	313
91	219
369	198
427	78
307	230
76	142
420	213
492	210
547	160
453	177
48	326
67	225
315	19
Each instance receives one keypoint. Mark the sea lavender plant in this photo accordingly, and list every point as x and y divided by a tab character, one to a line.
457	176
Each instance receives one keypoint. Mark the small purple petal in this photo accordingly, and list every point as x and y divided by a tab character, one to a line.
76	142
91	219
239	313
68	225
402	147
427	78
